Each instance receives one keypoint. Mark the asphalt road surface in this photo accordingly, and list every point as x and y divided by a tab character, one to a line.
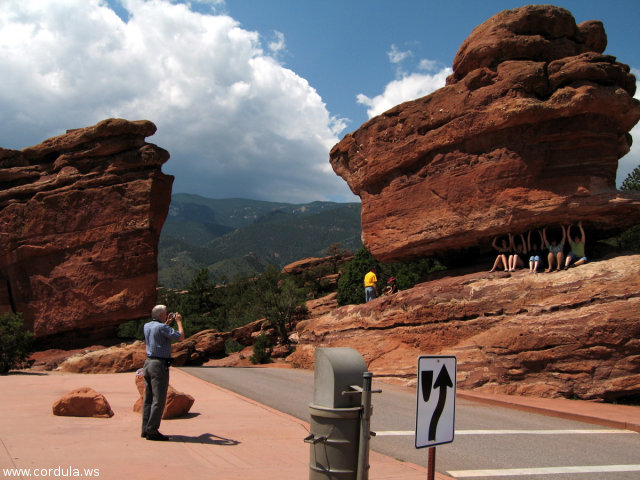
490	442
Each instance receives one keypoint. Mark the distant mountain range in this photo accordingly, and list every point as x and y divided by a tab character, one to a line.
232	237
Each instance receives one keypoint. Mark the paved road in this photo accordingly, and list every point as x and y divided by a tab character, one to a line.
490	442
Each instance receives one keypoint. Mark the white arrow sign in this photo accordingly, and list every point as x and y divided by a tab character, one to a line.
436	405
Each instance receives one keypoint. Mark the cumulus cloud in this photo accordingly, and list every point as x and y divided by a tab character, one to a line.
236	122
429	77
408	87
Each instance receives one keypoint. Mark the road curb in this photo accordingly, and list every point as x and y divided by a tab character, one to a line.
591	411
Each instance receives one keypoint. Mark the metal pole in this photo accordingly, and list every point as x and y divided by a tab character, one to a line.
431	466
365	428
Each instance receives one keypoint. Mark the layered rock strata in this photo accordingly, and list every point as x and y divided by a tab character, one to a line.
80	218
573	333
527	132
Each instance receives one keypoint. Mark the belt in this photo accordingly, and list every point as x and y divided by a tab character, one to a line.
159	358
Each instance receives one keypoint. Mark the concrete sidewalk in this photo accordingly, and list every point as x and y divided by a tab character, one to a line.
226	436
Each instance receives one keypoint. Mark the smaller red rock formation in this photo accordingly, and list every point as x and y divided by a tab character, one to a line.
527	132
82	402
194	350
178	403
116	359
47	360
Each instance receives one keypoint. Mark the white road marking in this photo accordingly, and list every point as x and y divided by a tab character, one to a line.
391	433
505	472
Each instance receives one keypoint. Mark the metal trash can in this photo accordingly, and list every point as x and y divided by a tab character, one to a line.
335	418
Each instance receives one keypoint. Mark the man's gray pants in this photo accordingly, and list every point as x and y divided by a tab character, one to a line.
156	381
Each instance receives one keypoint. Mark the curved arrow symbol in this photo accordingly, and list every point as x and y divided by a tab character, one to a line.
442	382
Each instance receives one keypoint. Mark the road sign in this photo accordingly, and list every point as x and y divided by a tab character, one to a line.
436	405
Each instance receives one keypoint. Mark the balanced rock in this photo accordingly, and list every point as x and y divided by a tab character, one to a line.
82	402
80	219
178	403
527	132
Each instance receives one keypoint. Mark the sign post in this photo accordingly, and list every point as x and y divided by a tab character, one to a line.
436	404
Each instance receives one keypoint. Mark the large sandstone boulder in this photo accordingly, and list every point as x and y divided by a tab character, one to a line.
527	132
116	359
82	402
80	218
573	333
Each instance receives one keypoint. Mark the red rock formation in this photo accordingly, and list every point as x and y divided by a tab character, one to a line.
80	218
527	132
194	350
570	333
47	360
116	359
82	402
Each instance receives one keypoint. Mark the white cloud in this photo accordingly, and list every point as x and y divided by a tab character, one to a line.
278	44
397	56
632	159
408	87
236	122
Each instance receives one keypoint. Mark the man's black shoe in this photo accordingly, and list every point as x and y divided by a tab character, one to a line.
158	437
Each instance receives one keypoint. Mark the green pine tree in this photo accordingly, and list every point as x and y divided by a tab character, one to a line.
15	342
632	182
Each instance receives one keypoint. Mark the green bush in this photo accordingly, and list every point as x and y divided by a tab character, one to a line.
15	342
351	282
407	274
231	345
261	350
131	330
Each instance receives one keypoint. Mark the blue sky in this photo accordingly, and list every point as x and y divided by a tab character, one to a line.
248	96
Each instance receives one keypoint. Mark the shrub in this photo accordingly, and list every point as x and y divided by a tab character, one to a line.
407	274
350	284
231	345
261	350
15	342
131	329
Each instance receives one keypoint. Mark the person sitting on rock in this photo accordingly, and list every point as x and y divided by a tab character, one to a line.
391	288
576	255
503	251
535	252
555	250
518	253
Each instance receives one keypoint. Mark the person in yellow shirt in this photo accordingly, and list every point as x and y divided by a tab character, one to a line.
370	288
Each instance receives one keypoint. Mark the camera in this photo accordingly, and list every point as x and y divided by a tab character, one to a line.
172	316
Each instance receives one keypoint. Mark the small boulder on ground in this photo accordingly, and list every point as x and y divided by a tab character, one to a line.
178	403
83	402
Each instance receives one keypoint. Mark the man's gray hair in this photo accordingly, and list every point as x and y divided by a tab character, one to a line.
158	310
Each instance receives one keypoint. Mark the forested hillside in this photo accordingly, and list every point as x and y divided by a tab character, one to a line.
232	237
